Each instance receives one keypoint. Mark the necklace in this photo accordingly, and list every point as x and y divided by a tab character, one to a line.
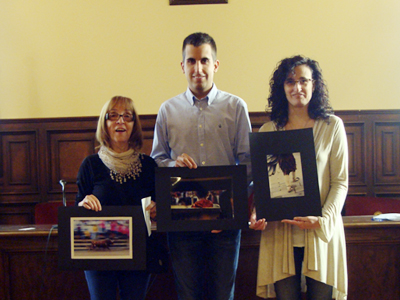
123	166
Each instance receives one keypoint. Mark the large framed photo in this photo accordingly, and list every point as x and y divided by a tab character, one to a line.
111	239
202	199
285	174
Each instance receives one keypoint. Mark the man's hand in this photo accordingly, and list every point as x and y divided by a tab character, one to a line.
185	160
257	224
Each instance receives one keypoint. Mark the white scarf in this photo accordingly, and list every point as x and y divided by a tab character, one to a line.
122	165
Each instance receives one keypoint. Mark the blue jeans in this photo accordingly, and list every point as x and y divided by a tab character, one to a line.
103	285
290	288
205	264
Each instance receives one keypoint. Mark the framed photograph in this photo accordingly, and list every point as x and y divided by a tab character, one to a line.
111	239
285	174
202	199
184	2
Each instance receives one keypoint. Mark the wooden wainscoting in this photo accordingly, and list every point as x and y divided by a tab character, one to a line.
36	153
374	152
28	264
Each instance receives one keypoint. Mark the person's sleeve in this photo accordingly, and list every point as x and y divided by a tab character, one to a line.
338	164
242	144
161	151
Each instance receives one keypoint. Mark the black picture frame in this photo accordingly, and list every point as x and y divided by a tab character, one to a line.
119	245
187	2
226	189
276	198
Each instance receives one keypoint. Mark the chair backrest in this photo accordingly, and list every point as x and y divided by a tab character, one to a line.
47	212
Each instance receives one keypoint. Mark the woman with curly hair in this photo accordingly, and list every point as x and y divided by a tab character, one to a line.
313	247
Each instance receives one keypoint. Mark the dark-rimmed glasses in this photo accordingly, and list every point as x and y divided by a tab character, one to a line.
113	116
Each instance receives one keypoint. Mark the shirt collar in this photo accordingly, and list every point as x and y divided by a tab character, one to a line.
210	97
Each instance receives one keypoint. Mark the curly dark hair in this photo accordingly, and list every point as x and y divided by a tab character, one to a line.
319	107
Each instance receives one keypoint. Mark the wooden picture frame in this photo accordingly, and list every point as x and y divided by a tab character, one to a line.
111	239
202	199
278	196
187	2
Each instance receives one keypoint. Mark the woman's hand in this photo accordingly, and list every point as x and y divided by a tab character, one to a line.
257	224
309	222
91	202
153	210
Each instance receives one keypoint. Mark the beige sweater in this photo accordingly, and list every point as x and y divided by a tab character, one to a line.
325	248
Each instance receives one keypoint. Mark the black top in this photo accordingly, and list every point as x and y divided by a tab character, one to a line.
94	178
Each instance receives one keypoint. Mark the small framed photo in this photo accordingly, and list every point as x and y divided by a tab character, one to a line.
185	2
202	199
111	239
285	174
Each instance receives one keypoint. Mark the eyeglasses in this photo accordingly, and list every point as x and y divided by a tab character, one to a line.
113	116
303	82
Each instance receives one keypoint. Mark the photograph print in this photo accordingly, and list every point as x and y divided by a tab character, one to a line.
202	199
285	174
106	237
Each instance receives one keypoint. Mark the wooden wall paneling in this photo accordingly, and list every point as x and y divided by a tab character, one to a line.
20	164
15	214
356	145
1	161
66	151
42	126
148	122
258	119
147	145
4	277
387	161
26	265
61	154
373	262
387	158
360	161
21	154
36	153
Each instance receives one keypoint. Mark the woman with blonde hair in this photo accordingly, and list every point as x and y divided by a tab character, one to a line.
117	175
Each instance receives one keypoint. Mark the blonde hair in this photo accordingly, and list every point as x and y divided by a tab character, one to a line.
102	135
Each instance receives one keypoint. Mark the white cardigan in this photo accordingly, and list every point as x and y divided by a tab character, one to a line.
325	248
